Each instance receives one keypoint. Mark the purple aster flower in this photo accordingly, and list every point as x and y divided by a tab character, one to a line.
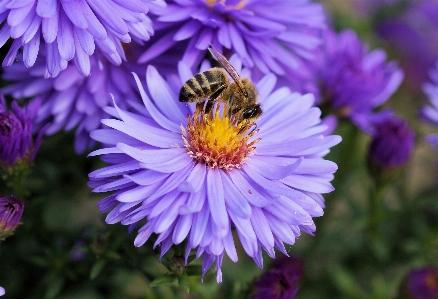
71	30
369	7
430	113
11	210
185	174
353	80
280	281
392	143
414	36
16	127
73	101
2	291
271	35
423	283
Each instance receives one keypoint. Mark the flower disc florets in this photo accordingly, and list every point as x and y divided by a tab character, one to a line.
217	139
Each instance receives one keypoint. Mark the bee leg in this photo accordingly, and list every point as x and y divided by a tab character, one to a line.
218	92
255	128
245	126
200	105
208	106
230	104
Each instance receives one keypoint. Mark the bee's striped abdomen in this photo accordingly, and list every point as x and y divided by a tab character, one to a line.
202	85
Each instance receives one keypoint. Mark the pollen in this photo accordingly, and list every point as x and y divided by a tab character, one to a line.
217	139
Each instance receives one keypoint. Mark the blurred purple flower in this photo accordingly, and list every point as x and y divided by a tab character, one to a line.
72	30
353	80
280	281
423	283
392	143
180	177
11	210
16	127
414	36
271	35
430	113
370	7
78	252
2	291
71	100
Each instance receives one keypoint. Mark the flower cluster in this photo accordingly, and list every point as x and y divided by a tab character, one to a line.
173	171
16	139
354	81
271	36
71	30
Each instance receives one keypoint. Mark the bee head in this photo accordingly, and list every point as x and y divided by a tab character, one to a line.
251	113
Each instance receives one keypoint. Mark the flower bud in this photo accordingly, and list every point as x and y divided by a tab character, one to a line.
391	144
16	125
422	283
11	210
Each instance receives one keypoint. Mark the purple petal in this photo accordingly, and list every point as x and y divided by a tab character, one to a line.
229	246
155	113
17	15
66	45
46	8
86	40
271	171
194	202
200	221
159	138
308	183
50	28
250	193
233	199
262	230
182	228
195	180
216	201
30	51
113	20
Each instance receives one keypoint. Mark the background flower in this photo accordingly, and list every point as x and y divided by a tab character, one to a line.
280	281
429	113
72	101
157	175
413	35
11	210
352	80
271	36
16	127
423	283
72	30
392	143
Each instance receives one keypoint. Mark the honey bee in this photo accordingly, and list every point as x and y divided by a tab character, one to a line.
214	85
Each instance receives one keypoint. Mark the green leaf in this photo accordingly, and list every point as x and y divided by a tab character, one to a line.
97	268
184	283
54	286
166	279
193	270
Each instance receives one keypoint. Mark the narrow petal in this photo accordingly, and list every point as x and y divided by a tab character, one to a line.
216	201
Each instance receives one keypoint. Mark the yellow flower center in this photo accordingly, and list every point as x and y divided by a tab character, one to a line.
218	140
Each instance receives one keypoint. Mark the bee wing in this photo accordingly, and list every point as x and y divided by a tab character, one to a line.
228	67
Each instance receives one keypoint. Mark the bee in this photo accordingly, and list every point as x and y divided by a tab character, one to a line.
214	85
